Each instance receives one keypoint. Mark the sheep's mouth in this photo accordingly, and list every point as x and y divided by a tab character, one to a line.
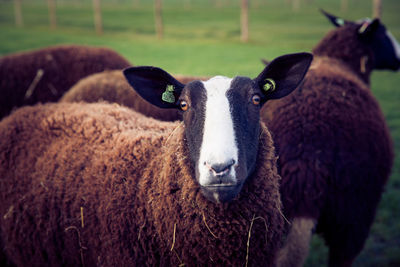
222	186
221	193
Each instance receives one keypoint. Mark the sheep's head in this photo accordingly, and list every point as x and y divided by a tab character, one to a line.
373	33
221	117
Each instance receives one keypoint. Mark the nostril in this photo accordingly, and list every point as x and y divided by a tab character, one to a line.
220	168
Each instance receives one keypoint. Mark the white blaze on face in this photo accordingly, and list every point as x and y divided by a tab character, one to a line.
395	44
218	145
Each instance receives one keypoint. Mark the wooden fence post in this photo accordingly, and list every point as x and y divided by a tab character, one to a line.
344	5
98	23
18	13
51	4
377	9
186	4
296	5
244	21
158	18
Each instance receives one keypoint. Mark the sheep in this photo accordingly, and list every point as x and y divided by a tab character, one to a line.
111	86
100	184
44	75
188	78
335	150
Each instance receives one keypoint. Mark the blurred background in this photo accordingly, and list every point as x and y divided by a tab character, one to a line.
213	37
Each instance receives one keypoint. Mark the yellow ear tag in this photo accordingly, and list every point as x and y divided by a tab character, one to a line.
363	27
168	95
269	85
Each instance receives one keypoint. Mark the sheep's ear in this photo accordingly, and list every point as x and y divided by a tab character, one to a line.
368	28
338	22
155	86
265	61
283	75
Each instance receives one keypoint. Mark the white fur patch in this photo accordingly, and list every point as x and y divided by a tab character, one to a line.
219	144
395	44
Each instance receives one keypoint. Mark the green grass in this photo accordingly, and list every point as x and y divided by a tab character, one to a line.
204	40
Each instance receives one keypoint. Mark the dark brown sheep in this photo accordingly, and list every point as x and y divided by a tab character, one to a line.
78	194
99	184
44	75
335	150
111	86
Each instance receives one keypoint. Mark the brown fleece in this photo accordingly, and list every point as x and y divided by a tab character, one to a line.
61	66
188	78
335	150
99	184
344	44
111	86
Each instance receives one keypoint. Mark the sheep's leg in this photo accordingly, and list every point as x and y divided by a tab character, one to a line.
346	245
297	243
345	230
343	263
337	257
3	258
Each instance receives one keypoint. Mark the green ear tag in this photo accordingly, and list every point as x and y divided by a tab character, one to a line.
340	21
168	95
269	85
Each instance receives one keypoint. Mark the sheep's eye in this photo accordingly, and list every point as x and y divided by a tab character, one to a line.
184	105
256	99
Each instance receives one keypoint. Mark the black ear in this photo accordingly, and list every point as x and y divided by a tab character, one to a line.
283	75
338	22
368	29
155	85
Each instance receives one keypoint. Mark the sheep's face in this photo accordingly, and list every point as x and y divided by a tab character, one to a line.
221	118
384	46
222	127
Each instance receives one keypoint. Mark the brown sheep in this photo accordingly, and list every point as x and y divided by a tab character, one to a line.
111	86
44	75
335	150
188	78
99	184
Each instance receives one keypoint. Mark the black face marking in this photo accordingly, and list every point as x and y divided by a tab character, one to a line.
384	49
246	117
195	96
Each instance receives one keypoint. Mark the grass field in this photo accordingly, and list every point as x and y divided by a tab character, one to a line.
201	39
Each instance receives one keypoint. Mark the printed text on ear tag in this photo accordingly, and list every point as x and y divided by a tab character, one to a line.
168	95
269	85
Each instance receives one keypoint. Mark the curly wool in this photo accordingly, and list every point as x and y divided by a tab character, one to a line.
44	75
112	86
343	44
335	150
99	184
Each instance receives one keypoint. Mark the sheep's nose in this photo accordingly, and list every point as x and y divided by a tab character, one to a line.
220	169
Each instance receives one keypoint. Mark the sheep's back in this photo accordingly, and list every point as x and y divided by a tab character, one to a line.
60	66
334	145
60	133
